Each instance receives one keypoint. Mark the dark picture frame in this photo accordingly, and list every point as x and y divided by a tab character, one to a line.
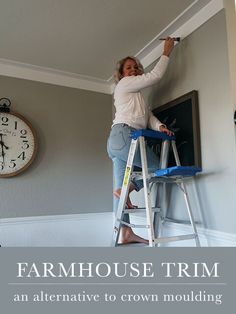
181	115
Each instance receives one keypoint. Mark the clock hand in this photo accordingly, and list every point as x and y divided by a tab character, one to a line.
2	143
2	148
5	146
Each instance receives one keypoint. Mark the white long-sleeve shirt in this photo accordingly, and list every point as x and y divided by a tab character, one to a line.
130	105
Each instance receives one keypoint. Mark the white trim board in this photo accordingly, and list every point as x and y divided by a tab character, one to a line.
183	30
81	230
91	230
46	75
186	23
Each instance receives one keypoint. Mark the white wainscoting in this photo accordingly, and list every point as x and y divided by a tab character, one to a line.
82	230
91	230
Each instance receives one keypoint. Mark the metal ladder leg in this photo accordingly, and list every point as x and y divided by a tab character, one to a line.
124	192
190	214
186	198
147	193
159	218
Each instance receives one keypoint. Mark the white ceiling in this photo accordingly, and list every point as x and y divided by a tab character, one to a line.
84	38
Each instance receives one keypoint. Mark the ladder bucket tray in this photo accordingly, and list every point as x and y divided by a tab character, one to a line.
184	171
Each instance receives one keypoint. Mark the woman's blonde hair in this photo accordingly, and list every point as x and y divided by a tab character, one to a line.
118	75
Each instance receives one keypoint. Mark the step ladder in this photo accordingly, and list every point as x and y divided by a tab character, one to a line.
174	175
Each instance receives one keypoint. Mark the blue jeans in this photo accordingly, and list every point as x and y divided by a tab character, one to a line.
118	146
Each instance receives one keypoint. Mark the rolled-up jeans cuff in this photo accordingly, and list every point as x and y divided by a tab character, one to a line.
138	185
125	219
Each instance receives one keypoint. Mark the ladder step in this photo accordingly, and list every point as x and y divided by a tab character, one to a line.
134	225
140	210
180	221
175	238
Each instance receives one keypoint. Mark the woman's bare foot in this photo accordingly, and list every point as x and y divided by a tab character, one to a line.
128	236
128	202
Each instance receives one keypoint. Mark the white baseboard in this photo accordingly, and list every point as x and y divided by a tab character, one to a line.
83	230
207	237
91	230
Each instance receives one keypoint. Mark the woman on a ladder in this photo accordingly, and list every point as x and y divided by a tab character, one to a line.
132	113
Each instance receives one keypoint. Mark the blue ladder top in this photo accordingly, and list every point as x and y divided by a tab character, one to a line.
150	133
183	171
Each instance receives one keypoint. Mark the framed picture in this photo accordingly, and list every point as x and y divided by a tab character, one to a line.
181	115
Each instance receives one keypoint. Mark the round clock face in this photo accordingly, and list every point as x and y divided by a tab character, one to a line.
18	144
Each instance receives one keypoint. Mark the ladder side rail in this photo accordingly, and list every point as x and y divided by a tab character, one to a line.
124	191
176	155
147	196
165	150
165	147
164	164
161	190
183	188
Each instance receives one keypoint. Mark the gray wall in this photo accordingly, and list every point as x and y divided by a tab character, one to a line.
71	173
200	62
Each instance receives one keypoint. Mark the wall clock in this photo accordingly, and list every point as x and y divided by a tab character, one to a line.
18	142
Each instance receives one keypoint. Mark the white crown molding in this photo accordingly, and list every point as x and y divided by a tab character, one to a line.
154	49
186	23
51	76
